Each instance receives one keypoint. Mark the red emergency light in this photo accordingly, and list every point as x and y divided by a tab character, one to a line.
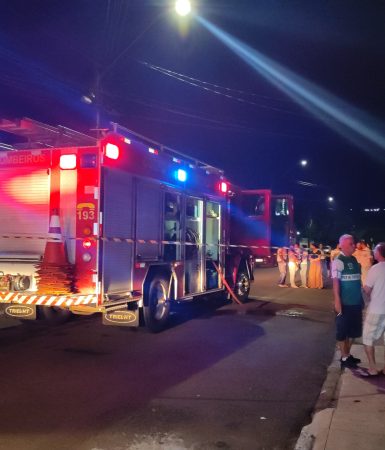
112	151
67	162
223	187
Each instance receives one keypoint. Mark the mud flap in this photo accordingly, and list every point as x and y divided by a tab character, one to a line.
25	312
121	318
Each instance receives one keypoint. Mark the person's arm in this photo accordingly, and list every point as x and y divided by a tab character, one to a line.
369	283
368	290
337	297
337	268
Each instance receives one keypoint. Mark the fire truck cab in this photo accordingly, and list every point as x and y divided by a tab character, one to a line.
119	225
262	222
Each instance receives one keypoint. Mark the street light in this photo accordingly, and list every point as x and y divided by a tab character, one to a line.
330	199
183	7
303	162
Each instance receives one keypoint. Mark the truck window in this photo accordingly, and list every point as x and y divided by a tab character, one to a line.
171	252
281	207
253	205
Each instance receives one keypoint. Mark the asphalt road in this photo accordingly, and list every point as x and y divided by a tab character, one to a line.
221	377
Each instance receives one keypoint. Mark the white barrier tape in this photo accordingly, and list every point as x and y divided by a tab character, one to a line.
141	241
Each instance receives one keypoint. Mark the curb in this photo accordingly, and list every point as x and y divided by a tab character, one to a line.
323	410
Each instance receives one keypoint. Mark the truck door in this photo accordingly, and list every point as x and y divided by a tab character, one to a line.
193	247
117	227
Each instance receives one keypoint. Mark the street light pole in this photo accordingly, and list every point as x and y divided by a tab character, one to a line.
182	7
95	97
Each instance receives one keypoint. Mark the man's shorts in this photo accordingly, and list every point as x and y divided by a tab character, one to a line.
349	323
374	326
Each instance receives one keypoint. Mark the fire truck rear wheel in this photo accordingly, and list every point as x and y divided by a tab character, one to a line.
242	286
54	316
156	310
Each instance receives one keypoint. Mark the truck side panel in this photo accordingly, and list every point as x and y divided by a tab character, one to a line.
118	246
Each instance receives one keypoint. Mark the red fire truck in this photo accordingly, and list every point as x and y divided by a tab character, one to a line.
264	221
120	225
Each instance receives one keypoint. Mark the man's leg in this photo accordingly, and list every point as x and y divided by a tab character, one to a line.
373	328
343	346
348	343
369	350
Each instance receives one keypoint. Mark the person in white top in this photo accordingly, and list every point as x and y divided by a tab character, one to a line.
292	265
282	266
364	256
374	325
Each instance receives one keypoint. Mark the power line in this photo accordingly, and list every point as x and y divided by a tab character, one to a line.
204	85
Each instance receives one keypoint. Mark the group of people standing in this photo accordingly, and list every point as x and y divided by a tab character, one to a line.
313	263
353	275
354	278
310	263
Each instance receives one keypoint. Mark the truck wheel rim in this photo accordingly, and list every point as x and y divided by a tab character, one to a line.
243	284
160	301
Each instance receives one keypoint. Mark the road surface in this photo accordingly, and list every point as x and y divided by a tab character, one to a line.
220	377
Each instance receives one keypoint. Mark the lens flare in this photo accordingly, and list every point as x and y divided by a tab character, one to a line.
349	121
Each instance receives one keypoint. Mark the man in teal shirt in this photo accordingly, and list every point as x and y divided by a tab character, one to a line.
348	301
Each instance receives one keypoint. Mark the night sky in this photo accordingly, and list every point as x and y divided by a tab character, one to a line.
51	51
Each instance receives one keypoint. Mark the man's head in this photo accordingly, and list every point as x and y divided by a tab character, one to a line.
379	252
347	245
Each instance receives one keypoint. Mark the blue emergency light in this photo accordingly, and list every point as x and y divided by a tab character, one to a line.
181	175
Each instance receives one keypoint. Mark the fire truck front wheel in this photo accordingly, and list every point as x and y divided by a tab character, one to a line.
156	310
242	285
54	316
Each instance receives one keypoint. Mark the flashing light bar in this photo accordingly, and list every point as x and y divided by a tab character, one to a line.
67	162
127	141
112	151
176	160
153	151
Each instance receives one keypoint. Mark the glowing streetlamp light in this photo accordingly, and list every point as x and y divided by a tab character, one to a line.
330	199
183	7
303	162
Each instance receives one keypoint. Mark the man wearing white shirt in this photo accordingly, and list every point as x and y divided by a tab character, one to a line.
374	325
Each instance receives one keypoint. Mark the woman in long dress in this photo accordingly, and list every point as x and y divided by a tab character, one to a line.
315	270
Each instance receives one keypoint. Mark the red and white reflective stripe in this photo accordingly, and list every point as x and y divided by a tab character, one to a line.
47	300
32	299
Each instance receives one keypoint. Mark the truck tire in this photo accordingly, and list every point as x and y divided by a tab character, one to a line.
242	286
53	315
156	310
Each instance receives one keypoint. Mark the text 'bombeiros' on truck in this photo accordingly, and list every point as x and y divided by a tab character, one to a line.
121	226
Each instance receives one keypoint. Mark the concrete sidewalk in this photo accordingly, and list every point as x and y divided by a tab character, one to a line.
356	418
